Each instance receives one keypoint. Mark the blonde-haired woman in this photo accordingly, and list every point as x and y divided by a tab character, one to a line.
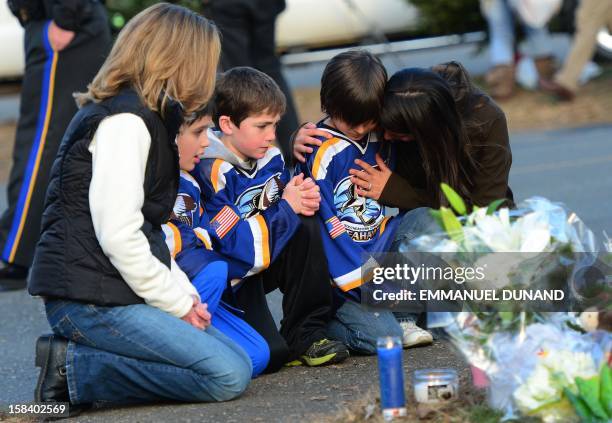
128	326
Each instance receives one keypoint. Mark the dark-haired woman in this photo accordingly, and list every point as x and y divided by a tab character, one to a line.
446	130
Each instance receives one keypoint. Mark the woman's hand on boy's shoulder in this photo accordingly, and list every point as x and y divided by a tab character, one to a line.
305	137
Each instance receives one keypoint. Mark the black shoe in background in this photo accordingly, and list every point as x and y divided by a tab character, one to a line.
13	277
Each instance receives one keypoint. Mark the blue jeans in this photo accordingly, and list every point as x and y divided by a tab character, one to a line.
138	353
359	329
500	20
415	223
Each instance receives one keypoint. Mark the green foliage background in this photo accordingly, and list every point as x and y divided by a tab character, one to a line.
120	11
440	17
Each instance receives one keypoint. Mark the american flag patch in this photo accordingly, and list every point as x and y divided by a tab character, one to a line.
335	227
224	221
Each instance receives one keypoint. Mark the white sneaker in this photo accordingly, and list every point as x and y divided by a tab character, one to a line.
414	335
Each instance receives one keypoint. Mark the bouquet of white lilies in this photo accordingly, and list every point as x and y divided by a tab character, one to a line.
537	362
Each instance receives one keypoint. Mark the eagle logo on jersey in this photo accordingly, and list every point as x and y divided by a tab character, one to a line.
184	209
360	215
258	198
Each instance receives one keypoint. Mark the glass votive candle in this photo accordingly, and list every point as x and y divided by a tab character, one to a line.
391	376
435	386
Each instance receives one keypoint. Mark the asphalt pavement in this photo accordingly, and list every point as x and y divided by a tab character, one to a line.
569	165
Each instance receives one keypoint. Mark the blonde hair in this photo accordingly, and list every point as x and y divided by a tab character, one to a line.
165	50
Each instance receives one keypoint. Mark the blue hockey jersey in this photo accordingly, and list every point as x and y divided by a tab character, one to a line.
187	233
353	226
250	221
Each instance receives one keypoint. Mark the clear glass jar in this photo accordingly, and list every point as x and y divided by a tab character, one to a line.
434	386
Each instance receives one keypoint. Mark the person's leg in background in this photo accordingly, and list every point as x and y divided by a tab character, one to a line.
135	354
500	21
359	328
248	39
46	108
35	85
591	15
263	52
537	45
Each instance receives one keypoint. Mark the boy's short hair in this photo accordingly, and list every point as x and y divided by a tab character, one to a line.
353	87
242	92
203	111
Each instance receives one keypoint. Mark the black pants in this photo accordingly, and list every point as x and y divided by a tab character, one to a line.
301	274
47	106
248	39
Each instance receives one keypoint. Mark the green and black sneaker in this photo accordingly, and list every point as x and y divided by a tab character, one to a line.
323	352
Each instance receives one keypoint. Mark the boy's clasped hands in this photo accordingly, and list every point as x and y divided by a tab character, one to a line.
302	195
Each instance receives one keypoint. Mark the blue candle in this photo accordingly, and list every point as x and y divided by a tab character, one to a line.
391	375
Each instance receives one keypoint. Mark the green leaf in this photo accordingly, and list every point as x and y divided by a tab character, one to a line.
582	410
589	393
454	199
452	226
606	389
494	206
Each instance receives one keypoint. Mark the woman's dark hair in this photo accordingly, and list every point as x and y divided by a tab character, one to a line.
468	97
420	103
353	86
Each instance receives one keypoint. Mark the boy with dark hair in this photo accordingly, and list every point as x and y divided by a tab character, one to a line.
262	219
353	226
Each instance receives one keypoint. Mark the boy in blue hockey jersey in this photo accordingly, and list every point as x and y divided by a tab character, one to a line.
353	226
264	220
187	237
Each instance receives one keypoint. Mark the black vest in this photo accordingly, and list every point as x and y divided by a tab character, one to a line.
69	262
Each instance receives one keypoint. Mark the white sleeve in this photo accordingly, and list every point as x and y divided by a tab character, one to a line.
120	148
181	278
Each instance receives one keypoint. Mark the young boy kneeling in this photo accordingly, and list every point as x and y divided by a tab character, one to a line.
263	220
188	238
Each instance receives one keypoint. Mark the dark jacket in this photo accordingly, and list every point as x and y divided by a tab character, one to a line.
69	262
407	186
67	14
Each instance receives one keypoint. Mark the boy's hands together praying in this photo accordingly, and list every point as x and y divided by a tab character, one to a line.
302	195
198	316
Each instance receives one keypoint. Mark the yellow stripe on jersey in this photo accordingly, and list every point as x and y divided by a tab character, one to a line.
354	284
203	238
214	174
321	153
383	225
178	242
265	241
